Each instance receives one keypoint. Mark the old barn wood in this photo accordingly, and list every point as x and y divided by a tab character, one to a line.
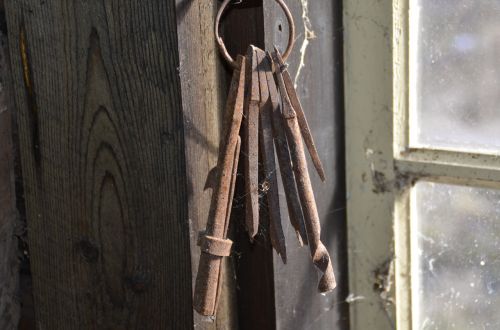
102	151
9	224
119	107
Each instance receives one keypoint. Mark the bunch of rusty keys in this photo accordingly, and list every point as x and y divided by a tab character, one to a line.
263	99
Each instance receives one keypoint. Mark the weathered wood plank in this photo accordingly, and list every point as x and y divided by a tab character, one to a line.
298	303
102	151
9	252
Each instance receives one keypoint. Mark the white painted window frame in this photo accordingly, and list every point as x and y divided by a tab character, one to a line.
381	167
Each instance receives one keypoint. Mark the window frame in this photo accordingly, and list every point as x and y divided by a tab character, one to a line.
381	167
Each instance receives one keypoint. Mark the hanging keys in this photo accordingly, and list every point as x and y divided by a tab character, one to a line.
264	109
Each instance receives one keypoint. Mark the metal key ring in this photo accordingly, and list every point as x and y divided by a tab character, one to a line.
222	46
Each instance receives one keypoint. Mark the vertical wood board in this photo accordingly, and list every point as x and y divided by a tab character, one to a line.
9	224
102	151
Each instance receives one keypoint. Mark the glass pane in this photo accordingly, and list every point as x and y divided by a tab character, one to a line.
455	257
455	74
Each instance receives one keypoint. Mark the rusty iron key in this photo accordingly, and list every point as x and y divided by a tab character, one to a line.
251	143
283	153
319	253
270	184
213	242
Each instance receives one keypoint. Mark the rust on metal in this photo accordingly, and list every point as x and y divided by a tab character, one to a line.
287	177
209	268
251	144
222	47
268	158
304	126
319	253
262	106
233	181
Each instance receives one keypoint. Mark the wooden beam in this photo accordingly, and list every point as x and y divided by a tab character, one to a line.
102	150
9	253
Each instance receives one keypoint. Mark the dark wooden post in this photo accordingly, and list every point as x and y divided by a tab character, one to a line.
101	130
9	227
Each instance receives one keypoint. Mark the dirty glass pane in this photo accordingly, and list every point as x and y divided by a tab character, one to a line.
455	257
455	74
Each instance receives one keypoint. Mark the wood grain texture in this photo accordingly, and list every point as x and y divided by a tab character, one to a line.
320	92
9	220
102	151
